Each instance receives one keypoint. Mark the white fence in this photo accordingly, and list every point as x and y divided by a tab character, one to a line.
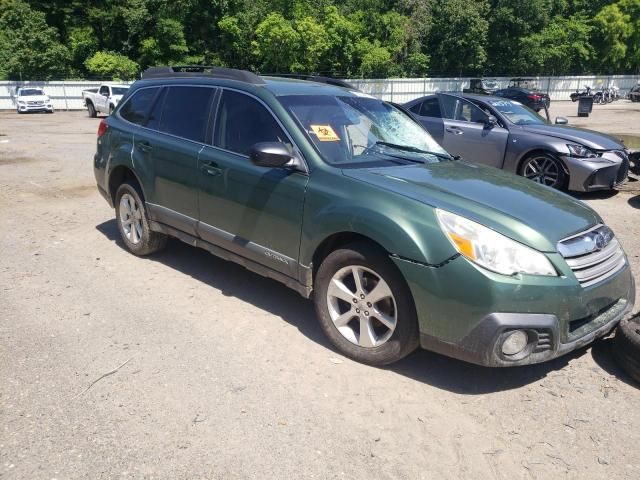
68	95
402	90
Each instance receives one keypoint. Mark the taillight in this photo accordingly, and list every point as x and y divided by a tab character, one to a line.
102	128
535	98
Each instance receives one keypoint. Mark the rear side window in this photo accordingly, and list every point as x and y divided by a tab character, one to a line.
431	108
185	112
138	105
242	122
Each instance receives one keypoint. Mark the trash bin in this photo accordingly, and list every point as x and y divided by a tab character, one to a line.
585	106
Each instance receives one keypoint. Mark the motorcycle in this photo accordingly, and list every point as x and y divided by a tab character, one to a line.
575	96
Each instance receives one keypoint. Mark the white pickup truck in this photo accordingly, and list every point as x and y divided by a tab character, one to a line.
103	99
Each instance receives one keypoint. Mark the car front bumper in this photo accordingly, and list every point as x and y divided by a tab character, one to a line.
465	311
587	176
35	108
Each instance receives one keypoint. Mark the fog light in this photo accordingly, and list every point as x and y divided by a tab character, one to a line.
515	342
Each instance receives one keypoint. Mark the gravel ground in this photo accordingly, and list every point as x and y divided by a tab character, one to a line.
183	366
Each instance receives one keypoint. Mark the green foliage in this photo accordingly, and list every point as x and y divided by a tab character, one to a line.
373	38
112	65
29	48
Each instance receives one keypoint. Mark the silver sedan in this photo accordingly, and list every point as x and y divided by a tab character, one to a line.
505	134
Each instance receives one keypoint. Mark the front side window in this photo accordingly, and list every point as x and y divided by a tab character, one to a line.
119	90
517	113
138	105
104	90
185	112
358	130
455	108
242	121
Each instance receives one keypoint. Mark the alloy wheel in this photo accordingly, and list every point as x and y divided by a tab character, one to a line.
362	306
544	170
131	218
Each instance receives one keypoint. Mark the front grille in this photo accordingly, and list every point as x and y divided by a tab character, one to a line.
593	256
34	103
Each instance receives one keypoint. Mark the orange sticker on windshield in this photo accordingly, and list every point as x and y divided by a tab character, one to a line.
325	133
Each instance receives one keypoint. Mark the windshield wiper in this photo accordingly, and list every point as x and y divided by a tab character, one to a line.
408	148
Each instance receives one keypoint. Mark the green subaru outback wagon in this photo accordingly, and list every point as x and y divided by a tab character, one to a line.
349	201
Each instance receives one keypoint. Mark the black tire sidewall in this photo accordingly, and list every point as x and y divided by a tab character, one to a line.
405	336
142	247
92	110
626	347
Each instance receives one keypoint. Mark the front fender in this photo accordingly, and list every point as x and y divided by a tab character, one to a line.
402	226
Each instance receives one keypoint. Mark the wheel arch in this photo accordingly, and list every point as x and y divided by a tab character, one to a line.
117	176
540	150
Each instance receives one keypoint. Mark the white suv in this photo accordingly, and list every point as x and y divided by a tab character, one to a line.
29	99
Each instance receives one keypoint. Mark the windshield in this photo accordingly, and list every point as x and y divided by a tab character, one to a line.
358	131
119	90
517	113
31	92
489	84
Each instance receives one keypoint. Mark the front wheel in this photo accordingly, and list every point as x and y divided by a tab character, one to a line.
133	222
364	305
544	168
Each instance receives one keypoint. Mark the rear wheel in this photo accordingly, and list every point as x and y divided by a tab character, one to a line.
133	222
92	110
544	168
364	305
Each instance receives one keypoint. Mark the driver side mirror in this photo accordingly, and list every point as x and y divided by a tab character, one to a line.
491	121
271	154
561	121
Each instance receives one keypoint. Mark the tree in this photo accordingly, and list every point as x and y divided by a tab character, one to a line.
29	48
276	44
112	65
166	46
458	37
562	47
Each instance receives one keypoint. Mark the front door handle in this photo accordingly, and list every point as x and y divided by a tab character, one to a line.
454	130
211	170
144	146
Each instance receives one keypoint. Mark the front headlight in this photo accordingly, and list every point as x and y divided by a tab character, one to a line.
21	102
581	151
491	249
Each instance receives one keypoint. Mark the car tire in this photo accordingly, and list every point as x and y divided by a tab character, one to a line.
376	326
92	110
133	222
626	346
544	168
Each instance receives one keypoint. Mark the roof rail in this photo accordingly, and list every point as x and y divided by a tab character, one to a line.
337	82
178	71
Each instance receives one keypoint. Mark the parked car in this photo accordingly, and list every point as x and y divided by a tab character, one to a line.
634	93
523	82
503	133
481	86
32	99
349	201
103	99
533	99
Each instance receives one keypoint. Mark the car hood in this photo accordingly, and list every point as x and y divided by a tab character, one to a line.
588	138
530	213
34	98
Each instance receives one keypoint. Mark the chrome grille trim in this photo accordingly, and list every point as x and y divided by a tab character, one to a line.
589	264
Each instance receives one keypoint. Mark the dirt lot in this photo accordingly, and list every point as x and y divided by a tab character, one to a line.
225	375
